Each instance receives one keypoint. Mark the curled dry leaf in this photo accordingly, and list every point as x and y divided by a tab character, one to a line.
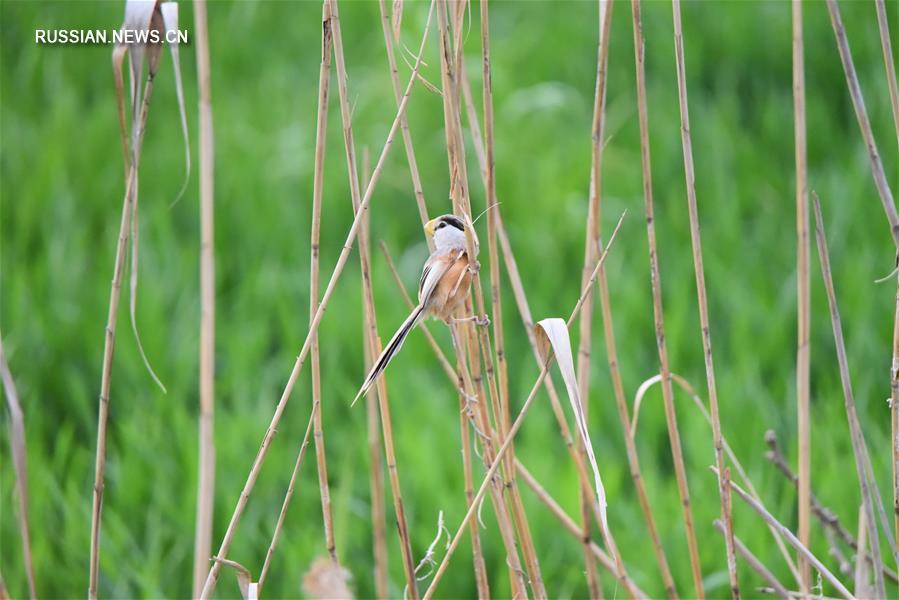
553	333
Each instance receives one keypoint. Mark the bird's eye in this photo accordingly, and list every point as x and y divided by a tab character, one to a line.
441	226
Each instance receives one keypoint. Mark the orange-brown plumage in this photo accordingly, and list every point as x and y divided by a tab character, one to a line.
444	285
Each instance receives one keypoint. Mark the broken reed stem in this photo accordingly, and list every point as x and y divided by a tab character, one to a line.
206	482
864	123
324	79
658	310
701	295
868	486
115	294
527	320
829	520
368	294
20	465
404	121
791	539
451	67
755	563
514	430
803	304
573	528
884	29
591	251
215	570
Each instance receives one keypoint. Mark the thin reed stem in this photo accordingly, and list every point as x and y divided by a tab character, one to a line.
115	294
884	29
701	294
516	425
867	485
368	295
20	465
215	570
658	311
803	304
206	481
324	78
864	123
591	251
404	121
376	470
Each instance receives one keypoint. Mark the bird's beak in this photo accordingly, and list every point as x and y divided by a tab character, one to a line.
429	227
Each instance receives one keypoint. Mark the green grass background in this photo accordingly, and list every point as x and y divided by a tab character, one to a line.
61	185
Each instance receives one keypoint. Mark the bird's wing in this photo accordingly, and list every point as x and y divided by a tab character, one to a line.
435	268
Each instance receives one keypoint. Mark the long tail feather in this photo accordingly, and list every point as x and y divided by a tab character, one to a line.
396	342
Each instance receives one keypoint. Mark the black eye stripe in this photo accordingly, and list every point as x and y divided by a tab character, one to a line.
454	221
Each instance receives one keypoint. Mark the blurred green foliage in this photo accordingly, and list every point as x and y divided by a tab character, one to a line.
61	185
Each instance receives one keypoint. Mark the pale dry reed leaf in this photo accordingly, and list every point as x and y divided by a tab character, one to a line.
170	22
554	332
327	580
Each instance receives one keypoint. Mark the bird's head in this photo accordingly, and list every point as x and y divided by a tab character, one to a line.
448	231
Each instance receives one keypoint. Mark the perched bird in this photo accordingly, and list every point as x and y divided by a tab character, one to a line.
444	285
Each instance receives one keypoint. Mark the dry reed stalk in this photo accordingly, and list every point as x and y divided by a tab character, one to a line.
894	413
368	295
109	344
757	565
573	528
451	66
215	570
206	482
792	539
658	311
884	29
404	122
376	473
20	465
702	297
516	425
829	520
864	123
803	305
330	39
314	424
591	251
867	485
